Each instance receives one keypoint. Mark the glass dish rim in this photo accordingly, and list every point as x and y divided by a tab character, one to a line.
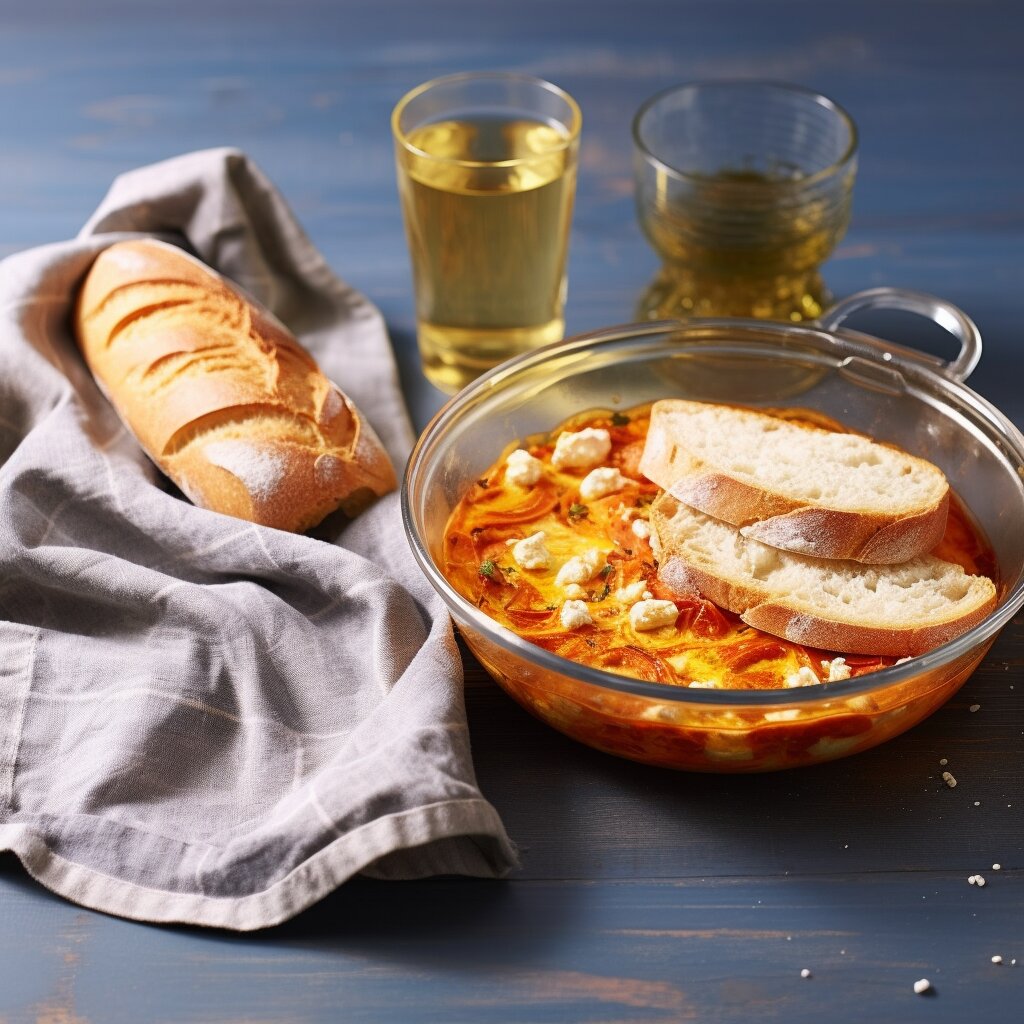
570	140
834	168
465	612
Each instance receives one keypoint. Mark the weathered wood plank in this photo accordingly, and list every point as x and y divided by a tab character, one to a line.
459	951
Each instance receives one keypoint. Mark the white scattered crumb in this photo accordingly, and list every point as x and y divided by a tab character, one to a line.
581	449
979	881
943	760
977	803
700	684
805	973
601	482
575	614
948	779
997	867
804	676
522	469
974	707
530	552
972	879
997	959
922	986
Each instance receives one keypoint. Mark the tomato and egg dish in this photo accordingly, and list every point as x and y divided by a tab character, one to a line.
553	542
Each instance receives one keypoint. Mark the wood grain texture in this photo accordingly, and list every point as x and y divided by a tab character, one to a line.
644	895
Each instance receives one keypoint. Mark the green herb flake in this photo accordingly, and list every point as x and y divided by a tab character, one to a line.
619	419
606	571
487	568
578	512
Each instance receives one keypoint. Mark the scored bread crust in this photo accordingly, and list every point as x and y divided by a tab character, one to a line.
785	522
760	607
220	395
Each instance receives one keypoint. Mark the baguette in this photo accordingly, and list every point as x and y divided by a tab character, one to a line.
220	395
901	610
795	486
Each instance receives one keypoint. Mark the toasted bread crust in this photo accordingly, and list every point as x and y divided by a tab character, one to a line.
785	522
771	614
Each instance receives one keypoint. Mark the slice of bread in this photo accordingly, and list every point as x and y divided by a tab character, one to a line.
899	610
796	486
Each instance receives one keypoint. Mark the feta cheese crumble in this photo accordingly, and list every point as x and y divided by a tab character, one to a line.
581	449
836	670
580	568
522	469
575	614
530	552
641	529
803	677
599	483
651	614
633	592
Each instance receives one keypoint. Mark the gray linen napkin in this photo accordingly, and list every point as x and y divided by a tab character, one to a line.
203	720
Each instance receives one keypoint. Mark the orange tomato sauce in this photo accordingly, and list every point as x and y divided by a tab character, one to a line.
706	645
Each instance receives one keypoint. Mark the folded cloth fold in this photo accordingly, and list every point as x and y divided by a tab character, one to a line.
203	720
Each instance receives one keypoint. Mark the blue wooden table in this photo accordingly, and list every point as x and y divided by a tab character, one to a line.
644	895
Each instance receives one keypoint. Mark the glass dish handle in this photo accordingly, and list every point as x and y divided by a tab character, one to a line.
945	314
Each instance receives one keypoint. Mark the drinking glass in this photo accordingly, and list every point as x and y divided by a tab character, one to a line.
486	174
744	189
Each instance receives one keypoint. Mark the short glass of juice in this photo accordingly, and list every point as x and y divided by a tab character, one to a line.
487	174
743	188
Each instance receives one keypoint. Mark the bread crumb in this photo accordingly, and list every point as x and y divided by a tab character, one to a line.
948	779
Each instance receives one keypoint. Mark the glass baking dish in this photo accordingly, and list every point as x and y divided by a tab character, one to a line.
892	393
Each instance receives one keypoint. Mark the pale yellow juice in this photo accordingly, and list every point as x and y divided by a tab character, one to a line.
487	205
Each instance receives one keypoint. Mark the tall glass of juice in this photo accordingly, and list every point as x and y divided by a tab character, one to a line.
486	173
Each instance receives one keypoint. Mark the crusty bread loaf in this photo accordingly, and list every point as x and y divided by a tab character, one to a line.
898	610
221	397
796	486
